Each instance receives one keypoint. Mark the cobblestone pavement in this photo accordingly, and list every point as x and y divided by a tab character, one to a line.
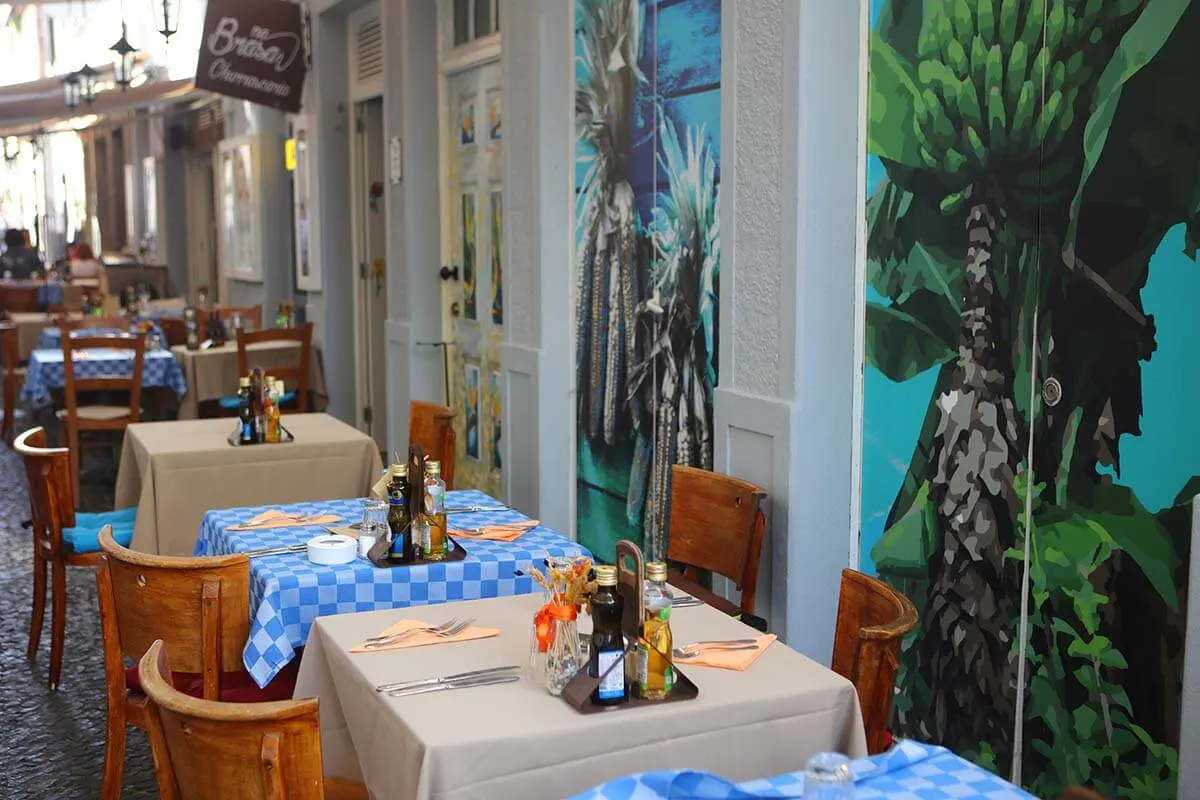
52	743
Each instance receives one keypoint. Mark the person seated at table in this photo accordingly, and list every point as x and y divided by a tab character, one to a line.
19	260
84	268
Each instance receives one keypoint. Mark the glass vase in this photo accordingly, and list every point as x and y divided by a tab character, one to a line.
554	651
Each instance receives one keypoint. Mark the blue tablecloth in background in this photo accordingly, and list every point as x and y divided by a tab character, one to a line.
909	771
51	337
288	592
46	371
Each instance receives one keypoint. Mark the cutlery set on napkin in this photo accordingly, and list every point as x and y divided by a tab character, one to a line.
500	532
274	518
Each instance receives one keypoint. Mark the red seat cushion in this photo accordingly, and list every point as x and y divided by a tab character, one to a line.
236	687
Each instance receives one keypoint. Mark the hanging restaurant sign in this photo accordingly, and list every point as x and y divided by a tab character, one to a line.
254	50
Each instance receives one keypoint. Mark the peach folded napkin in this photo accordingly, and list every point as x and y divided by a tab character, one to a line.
739	660
424	638
278	519
503	532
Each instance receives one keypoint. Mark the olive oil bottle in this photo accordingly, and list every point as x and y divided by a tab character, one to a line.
656	673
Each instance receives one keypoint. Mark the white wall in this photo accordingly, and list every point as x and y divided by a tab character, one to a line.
790	305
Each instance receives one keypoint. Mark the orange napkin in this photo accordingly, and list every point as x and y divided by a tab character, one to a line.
504	532
739	660
278	519
422	639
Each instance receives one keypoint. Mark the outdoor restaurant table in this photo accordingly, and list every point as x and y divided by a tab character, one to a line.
213	373
174	472
30	325
516	740
46	370
288	592
908	770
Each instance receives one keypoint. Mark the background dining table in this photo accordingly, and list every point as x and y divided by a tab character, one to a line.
289	591
213	373
174	472
46	371
30	325
516	740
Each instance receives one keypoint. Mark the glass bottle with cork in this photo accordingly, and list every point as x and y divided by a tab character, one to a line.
399	522
607	652
433	518
656	673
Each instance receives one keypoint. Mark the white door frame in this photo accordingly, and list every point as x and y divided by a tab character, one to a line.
360	93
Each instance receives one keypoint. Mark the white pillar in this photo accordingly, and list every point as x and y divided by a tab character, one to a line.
789	391
537	355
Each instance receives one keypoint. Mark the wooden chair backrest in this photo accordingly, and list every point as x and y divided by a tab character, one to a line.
18	298
51	498
432	426
872	620
206	750
251	314
73	307
200	606
89	322
717	524
10	348
298	374
131	383
175	329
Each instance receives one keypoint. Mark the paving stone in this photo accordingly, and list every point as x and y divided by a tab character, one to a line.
52	743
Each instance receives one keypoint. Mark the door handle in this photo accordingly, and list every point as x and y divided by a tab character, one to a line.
449	273
455	310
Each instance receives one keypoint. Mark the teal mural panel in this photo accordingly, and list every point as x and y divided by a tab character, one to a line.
647	258
1033	216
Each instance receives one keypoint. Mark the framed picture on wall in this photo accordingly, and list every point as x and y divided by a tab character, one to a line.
237	201
308	271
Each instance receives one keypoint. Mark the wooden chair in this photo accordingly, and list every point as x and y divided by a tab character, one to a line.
206	750
872	619
299	374
14	375
61	538
17	299
717	524
432	426
175	329
200	606
67	324
99	417
252	314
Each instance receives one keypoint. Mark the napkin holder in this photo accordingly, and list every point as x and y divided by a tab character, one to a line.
631	572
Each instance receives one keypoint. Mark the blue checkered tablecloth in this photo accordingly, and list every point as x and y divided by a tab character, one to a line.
909	771
45	372
288	592
51	338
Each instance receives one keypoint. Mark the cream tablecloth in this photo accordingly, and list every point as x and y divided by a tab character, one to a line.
514	740
176	471
212	374
30	325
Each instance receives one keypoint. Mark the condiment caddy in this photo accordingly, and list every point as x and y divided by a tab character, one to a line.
590	693
417	530
259	417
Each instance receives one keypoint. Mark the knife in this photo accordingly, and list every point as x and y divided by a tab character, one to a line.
475	673
466	683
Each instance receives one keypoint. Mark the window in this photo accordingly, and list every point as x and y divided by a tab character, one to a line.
475	19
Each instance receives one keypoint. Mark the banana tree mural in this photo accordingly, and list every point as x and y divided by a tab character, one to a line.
647	112
1037	156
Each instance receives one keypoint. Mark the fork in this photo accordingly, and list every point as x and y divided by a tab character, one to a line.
445	630
699	647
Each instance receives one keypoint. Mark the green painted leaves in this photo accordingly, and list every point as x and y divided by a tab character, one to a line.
894	95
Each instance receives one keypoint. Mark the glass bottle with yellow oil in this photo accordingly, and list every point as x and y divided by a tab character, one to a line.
433	529
656	674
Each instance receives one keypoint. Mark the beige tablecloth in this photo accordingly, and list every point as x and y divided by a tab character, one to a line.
514	740
30	325
212	374
176	471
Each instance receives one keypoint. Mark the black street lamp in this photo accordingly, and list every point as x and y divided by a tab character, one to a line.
167	14
71	86
87	84
123	60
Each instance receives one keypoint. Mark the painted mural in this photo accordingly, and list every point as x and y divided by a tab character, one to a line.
647	110
1033	221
